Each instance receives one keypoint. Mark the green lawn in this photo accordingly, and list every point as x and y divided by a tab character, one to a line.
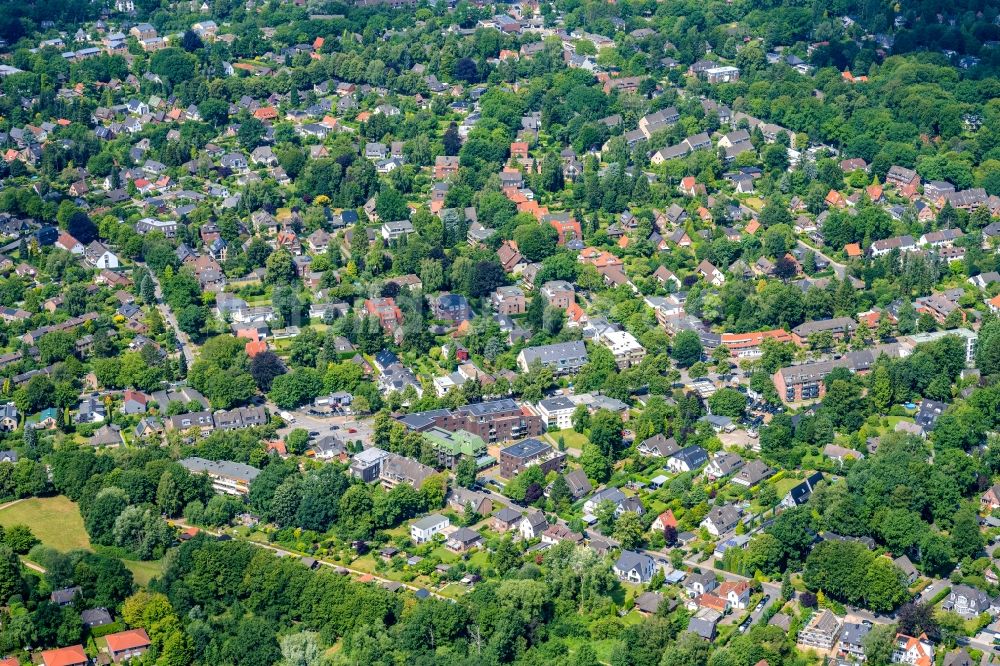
143	572
55	521
602	648
782	486
572	438
894	420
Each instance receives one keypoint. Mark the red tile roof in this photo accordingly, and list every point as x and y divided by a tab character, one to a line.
128	640
67	656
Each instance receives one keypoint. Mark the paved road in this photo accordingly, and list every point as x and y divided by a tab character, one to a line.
187	347
840	270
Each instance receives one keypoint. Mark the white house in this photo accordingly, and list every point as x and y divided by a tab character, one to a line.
557	412
624	346
396	229
687	459
424	529
532	525
737	594
720	520
99	256
634	567
914	651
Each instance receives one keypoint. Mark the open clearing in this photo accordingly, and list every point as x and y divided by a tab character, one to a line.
56	521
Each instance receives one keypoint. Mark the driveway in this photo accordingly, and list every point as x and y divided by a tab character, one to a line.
840	270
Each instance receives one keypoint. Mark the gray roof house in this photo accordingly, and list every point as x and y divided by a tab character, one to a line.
659	446
752	473
687	459
701	583
579	484
634	567
562	357
703	623
721	519
967	601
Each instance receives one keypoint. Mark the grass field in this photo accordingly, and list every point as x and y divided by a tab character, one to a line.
57	523
573	439
143	572
782	486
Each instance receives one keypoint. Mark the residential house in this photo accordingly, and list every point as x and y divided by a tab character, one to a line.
752	473
127	645
710	273
632	567
887	245
506	519
721	520
701	583
509	301
134	402
967	601
989	501
557	412
703	623
688	459
623	345
800	493
396	469
396	229
532	525
367	464
851	646
65	596
424	529
663	521
453	308
723	464
8	417
821	632
658	446
736	594
906	566
914	651
99	256
91	410
562	358
559	293
463	539
578	483
73	655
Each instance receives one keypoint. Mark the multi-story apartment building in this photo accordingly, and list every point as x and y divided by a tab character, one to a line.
494	421
227	477
517	457
562	358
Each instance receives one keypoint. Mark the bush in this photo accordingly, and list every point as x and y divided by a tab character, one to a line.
114	627
941	594
607	627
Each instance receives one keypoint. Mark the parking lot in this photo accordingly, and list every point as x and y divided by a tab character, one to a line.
349	427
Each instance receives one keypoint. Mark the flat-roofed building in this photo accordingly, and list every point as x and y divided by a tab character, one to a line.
517	457
562	358
231	478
